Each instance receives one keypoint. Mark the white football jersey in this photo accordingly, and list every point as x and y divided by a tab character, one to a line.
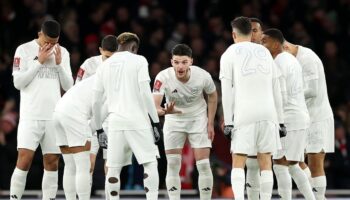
88	68
296	116
39	97
319	107
188	97
252	71
77	101
118	77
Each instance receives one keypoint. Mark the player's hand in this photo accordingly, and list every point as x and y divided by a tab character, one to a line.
170	108
161	111
57	53
211	132
228	131
283	131
157	132
102	138
44	52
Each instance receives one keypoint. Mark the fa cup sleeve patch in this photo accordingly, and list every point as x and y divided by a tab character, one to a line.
157	86
16	63
80	73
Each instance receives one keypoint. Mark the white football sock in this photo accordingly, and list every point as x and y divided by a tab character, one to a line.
237	183
173	182
50	184
18	183
301	181
266	184
253	179
69	177
205	179
82	174
284	181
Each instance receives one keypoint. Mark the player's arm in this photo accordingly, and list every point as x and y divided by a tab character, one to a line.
283	87
146	94
226	77
310	80
277	93
82	72
64	69
24	68
158	98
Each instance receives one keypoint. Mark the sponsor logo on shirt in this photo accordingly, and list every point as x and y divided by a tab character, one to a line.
47	73
157	85
16	62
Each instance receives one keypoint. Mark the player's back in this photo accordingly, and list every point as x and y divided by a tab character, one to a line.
77	101
121	75
319	106
253	73
296	115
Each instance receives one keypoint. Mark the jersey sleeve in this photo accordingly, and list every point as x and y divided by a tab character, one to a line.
310	71
209	85
159	84
143	74
81	72
98	80
226	68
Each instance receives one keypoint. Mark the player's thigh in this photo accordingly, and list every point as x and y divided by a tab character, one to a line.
321	137
142	145
268	140
119	151
244	139
29	134
58	128
174	135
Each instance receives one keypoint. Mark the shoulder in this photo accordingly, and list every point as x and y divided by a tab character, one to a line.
64	50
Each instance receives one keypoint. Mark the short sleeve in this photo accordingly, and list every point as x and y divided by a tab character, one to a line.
209	85
143	74
159	84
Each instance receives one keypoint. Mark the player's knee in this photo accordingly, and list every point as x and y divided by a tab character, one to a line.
174	163
51	162
203	166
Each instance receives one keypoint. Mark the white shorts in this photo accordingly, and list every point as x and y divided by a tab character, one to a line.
321	137
94	141
70	131
261	137
293	146
176	132
31	133
123	143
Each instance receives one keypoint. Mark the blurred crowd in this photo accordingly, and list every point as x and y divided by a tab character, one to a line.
322	25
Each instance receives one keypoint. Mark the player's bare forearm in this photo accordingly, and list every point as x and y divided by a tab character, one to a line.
212	106
158	98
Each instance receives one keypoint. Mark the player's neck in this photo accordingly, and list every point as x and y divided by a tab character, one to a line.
276	53
242	39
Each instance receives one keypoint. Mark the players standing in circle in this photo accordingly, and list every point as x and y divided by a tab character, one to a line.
321	131
250	70
296	119
40	68
125	79
187	115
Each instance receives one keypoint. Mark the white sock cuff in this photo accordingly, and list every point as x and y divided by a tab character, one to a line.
20	172
319	181
173	157
204	161
238	173
252	163
50	173
266	176
279	168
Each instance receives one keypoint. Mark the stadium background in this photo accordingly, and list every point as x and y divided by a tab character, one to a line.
322	25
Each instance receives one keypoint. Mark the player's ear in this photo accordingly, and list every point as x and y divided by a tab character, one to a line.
191	61
234	36
100	49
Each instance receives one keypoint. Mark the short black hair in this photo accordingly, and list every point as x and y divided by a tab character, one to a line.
181	50
51	28
256	20
109	43
275	34
127	37
242	25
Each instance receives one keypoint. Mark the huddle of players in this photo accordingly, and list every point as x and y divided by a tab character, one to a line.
279	103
